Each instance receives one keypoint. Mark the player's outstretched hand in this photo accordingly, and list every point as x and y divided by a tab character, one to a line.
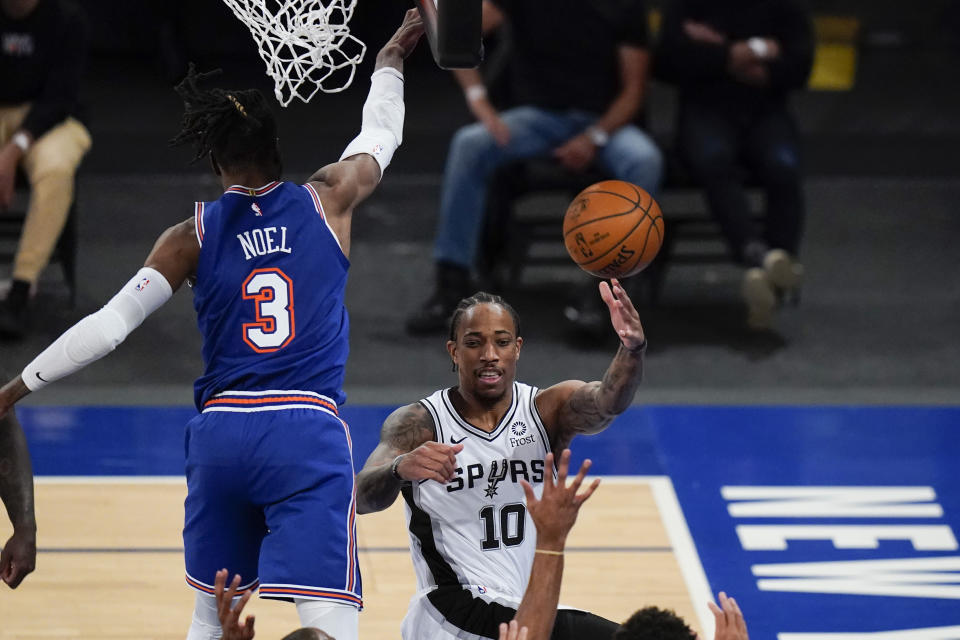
556	511
512	631
230	615
405	40
18	558
430	461
623	315
730	624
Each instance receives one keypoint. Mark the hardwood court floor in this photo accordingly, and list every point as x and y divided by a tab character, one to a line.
110	563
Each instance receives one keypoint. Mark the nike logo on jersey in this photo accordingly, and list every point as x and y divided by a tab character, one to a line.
455	441
40	378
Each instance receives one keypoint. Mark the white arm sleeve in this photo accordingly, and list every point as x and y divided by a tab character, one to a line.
382	129
99	333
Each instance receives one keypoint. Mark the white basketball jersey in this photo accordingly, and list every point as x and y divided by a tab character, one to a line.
475	532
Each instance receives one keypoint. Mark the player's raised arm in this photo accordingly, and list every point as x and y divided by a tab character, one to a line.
172	260
346	183
407	452
19	554
554	515
573	406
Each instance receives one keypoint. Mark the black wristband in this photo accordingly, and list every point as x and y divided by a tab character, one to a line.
393	469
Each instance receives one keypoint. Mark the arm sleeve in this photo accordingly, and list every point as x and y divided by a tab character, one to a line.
382	129
99	333
61	87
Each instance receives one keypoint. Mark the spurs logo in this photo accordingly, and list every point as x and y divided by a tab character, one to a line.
498	471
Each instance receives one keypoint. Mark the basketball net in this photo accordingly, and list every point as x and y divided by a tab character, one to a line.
304	43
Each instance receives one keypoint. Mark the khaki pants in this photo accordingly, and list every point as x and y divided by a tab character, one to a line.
50	165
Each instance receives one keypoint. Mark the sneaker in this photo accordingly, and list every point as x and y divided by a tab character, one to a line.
13	321
761	299
783	272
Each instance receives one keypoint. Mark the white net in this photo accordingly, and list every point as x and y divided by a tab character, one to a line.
305	44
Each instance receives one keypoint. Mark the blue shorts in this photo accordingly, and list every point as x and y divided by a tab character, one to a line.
271	496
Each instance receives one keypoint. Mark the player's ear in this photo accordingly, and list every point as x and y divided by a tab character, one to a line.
519	344
452	350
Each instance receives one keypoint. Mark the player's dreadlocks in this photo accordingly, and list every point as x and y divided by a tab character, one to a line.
236	127
481	297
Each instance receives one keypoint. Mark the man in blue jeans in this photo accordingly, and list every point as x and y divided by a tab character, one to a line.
579	72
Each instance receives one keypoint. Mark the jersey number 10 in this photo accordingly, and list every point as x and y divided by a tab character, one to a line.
513	518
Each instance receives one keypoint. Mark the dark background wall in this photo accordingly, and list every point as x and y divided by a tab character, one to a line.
900	117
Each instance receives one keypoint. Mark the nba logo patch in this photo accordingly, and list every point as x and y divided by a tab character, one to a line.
481	588
377	149
143	284
256	210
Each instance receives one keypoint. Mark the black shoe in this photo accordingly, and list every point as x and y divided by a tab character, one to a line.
453	284
13	320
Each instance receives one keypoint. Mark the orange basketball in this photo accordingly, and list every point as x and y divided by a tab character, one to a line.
613	229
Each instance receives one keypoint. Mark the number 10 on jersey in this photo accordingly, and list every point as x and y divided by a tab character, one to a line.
272	293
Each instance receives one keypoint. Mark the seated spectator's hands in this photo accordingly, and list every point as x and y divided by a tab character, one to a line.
730	624
485	113
747	66
577	153
230	615
702	32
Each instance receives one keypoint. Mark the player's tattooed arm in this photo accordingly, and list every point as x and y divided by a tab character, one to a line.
407	452
594	405
573	406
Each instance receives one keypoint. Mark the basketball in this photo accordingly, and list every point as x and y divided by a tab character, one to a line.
613	229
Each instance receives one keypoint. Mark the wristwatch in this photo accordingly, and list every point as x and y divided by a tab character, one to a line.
759	47
597	136
21	140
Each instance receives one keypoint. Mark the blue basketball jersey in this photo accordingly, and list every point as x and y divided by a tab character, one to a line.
269	293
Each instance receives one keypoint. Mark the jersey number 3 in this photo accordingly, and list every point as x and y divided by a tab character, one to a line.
272	294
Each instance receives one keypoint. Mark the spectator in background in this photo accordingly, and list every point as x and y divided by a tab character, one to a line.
579	72
735	63
43	46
